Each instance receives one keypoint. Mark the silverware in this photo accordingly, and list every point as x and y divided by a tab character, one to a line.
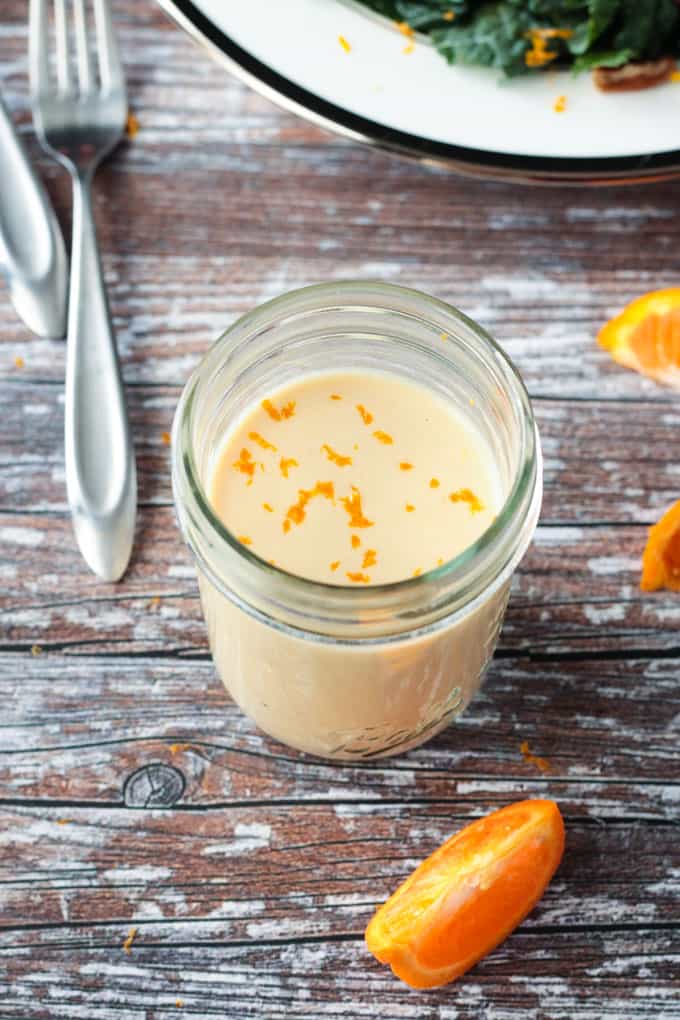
32	252
80	109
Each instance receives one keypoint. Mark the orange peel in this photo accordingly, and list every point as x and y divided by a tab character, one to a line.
661	558
468	896
646	336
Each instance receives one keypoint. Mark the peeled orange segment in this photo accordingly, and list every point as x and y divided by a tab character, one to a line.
661	558
469	894
646	336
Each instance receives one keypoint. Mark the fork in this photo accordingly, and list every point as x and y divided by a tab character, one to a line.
79	110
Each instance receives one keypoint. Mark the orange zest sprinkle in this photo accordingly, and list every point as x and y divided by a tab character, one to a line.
675	76
165	438
64	821
405	466
154	602
131	125
335	396
19	361
352	505
356	541
366	416
127	945
271	410
383	437
409	48
434	483
405	29
298	511
36	650
286	526
551	33
440	561
245	463
336	458
539	54
417	572
276	414
467	496
448	15
244	540
345	45
370	558
261	441
273	562
444	337
326	489
179	1003
335	564
541	763
176	748
560	104
358	578
409	508
268	507
286	463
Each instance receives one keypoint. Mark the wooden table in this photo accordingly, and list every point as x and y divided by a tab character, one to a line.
134	794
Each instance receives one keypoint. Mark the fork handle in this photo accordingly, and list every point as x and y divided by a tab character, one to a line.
101	479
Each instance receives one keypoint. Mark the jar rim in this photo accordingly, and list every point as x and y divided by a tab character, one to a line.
523	497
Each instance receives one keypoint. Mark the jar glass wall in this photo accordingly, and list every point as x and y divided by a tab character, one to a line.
329	669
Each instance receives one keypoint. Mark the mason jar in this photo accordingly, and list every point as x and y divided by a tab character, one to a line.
337	671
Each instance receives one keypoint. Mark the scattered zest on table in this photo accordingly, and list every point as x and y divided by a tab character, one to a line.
533	759
468	896
131	935
661	558
646	336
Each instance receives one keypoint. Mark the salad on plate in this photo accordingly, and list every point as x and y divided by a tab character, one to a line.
628	44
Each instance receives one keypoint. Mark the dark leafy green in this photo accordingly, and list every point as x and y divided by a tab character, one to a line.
497	33
495	37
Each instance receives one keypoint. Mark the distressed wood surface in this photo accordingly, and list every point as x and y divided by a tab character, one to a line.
134	793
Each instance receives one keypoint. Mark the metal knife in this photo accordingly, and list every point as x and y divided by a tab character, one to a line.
32	252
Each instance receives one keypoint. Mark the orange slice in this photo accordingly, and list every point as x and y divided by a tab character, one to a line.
661	558
646	336
469	894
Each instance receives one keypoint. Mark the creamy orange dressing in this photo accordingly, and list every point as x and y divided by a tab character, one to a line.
355	479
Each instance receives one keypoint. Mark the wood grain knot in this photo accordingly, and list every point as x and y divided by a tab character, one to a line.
155	785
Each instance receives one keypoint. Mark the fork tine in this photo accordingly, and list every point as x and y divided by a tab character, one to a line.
82	49
39	68
61	38
110	67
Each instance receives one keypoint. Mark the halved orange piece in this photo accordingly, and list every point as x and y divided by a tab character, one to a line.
646	336
468	896
661	558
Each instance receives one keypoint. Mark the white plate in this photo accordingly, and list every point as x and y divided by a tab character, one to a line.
417	104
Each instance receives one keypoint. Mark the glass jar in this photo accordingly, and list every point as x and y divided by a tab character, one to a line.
342	672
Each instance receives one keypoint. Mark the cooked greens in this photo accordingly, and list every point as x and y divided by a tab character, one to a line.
518	36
